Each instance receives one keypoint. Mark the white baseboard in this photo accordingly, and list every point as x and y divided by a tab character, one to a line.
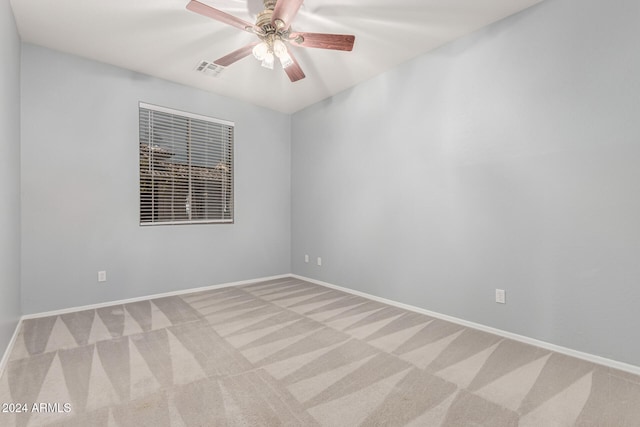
5	358
520	338
147	297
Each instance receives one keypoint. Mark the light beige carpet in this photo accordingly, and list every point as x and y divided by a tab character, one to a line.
292	353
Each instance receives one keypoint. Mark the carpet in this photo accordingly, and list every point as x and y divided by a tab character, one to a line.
291	353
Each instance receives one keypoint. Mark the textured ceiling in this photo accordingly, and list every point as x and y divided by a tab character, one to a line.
163	39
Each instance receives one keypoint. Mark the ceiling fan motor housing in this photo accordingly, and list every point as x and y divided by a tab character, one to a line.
264	18
269	4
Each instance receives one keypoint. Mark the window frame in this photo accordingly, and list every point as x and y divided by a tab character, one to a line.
231	162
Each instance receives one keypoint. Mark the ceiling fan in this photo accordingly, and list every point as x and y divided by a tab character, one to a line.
273	28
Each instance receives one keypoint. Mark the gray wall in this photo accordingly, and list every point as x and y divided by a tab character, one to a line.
9	175
508	159
80	188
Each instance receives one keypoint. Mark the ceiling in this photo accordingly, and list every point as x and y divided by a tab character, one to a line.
162	39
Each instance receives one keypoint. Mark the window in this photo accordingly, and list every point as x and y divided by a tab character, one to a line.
186	168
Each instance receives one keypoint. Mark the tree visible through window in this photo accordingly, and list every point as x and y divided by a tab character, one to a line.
186	167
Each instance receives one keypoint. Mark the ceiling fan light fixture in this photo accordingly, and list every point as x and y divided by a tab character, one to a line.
279	48
268	61
260	51
285	60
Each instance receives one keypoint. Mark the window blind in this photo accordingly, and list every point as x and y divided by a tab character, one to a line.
186	167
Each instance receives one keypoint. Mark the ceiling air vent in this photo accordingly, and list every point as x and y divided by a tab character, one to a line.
209	68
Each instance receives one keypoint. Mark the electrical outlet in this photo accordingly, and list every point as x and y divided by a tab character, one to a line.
306	258
319	261
102	276
501	296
